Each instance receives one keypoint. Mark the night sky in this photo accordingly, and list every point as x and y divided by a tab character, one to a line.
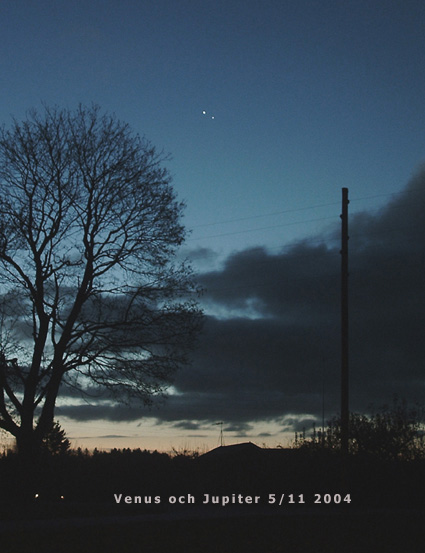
300	99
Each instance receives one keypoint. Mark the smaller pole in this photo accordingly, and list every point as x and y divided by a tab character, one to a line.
221	432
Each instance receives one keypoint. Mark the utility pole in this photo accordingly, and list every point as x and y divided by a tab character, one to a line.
344	324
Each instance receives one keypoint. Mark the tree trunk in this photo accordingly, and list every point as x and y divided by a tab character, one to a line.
29	463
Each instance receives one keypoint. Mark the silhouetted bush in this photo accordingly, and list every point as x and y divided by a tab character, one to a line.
393	432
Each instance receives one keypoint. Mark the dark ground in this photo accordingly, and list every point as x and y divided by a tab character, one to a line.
389	532
386	512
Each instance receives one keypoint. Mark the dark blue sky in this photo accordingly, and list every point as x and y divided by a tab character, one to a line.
307	97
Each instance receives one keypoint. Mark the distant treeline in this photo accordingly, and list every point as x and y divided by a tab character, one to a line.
79	477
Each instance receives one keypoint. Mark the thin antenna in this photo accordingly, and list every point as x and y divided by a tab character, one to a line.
221	431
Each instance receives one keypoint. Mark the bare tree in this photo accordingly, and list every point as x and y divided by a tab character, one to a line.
91	287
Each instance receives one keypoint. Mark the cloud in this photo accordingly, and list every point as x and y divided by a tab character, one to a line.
101	411
187	425
270	349
200	254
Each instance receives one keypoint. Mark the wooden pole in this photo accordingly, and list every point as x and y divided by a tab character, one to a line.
344	325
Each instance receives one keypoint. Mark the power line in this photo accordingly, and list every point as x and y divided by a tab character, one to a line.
283	212
260	228
272	227
272	214
295	210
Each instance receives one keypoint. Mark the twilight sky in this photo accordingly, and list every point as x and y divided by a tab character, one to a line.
301	99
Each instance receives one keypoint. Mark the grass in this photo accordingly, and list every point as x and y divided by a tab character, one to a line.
394	532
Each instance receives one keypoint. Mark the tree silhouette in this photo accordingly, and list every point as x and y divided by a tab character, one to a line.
55	441
92	292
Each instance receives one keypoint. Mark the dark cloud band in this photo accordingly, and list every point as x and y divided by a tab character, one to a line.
271	342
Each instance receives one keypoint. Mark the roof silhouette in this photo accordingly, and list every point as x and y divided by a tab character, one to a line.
245	449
